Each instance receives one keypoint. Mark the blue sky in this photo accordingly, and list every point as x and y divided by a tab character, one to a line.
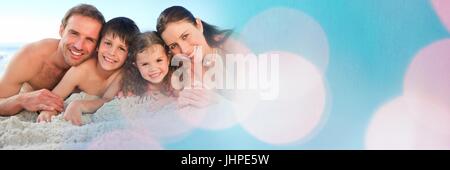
32	20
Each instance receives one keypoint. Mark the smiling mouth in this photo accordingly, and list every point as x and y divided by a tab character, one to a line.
76	55
109	60
155	75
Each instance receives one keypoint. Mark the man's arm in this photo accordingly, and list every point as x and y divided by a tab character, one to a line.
20	70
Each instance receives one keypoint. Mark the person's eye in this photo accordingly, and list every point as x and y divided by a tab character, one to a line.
173	46
144	64
159	60
185	36
123	49
107	43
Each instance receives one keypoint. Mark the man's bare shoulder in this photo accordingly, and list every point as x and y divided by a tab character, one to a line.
44	47
27	62
37	51
30	58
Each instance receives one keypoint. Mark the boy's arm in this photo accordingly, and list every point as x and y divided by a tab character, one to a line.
113	88
63	89
86	106
90	106
76	108
69	82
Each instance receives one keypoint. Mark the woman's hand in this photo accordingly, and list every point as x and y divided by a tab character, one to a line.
199	98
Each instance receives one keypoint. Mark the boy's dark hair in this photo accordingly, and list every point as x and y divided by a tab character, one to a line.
122	27
83	10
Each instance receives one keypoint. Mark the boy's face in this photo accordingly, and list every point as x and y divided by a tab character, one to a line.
112	52
153	64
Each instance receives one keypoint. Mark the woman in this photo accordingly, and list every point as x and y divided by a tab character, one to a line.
183	34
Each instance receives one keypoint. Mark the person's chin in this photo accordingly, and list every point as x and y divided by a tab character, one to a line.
111	68
155	81
73	62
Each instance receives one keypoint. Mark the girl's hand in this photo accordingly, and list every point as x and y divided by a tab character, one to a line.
73	113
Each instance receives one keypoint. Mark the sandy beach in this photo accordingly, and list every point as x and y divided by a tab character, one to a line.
119	124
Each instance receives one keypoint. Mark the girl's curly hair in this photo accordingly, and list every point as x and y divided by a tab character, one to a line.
133	82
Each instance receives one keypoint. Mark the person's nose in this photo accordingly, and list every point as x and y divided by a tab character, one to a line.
78	45
111	51
184	48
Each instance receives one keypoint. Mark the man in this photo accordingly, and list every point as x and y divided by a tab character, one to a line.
39	66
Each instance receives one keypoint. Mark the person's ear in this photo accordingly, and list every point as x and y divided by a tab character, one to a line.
61	30
198	24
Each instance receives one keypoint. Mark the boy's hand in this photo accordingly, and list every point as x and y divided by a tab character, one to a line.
73	113
46	116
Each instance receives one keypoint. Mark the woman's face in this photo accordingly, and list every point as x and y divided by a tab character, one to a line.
153	64
112	52
181	37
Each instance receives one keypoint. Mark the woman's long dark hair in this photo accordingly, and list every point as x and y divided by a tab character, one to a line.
179	13
133	82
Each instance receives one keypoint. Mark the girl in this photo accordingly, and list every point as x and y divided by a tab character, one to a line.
147	69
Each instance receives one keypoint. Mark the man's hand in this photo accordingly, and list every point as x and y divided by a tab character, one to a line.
41	100
46	116
73	113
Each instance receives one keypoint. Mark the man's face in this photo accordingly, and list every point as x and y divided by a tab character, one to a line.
79	39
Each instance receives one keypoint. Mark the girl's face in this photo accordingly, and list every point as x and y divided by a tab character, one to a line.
153	64
112	52
183	36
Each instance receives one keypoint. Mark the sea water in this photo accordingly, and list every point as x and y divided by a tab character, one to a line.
6	52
